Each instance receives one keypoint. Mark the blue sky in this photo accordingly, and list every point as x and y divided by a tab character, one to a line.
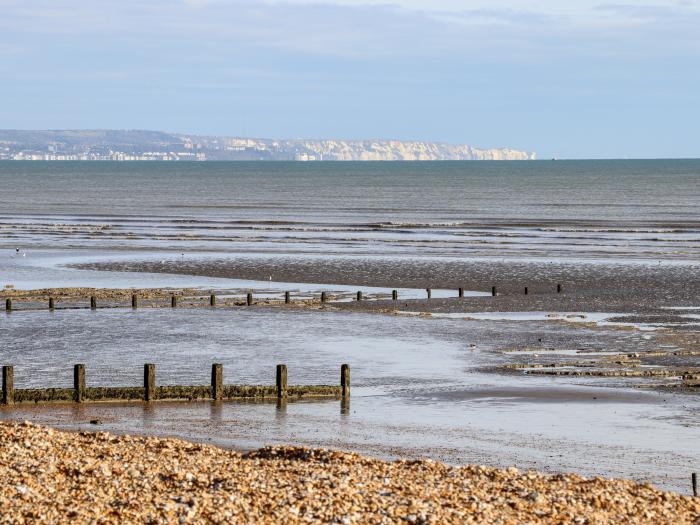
579	79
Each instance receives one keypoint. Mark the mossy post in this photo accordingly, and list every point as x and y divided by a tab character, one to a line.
93	302
694	481
134	300
8	304
173	301
52	303
212	300
460	292
149	382
323	297
217	381
526	290
78	383
559	288
359	295
429	292
494	292
394	295
249	299
8	385
281	381
345	380
287	298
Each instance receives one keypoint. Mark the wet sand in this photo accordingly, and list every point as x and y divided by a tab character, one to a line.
588	285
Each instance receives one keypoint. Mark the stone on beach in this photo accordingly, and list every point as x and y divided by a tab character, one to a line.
51	476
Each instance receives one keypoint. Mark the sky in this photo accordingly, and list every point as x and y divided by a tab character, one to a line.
567	79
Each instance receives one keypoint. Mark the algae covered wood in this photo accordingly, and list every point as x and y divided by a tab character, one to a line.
149	382
217	381
8	385
79	383
281	381
345	380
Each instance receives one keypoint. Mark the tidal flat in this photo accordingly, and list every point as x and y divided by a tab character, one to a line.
598	377
455	387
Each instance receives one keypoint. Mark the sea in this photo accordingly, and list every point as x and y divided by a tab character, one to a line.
633	209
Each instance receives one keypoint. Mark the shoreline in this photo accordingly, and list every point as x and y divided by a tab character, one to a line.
536	344
674	328
51	475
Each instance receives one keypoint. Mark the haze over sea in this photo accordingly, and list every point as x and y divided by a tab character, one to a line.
631	209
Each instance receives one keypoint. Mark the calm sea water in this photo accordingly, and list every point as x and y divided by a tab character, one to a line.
634	209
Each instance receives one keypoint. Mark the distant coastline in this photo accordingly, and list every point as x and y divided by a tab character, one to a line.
140	145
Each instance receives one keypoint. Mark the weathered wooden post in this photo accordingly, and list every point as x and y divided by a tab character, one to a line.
217	381
287	298
429	292
345	380
78	383
52	304
249	299
212	300
173	301
460	292
526	290
149	382
494	292
8	304
359	295
281	381
323	297
559	288
93	302
694	478
134	300
8	385
394	295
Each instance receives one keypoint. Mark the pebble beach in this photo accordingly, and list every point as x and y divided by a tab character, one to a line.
51	476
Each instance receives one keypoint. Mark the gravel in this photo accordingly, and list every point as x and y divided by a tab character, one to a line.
51	476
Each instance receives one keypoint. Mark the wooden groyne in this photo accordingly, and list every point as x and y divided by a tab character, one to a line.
175	300
150	391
